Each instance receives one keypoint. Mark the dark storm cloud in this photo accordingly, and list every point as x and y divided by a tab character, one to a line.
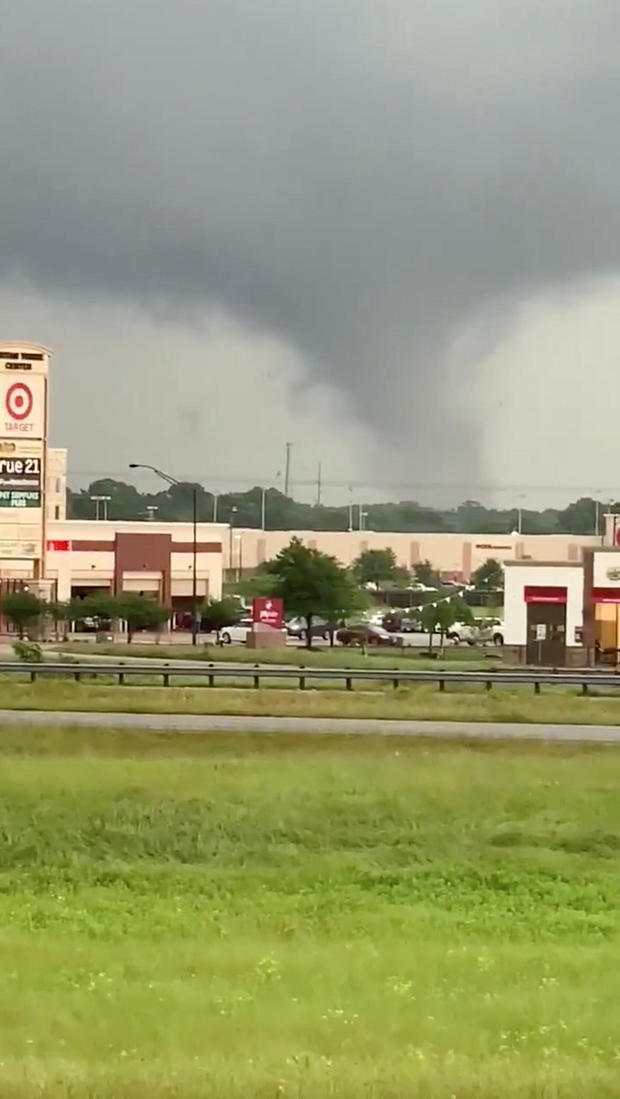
355	176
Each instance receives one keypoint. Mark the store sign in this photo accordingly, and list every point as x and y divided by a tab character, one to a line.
491	546
11	551
539	594
268	612
22	406
59	545
20	482
606	569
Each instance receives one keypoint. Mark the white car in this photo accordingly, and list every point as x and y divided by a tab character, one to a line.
477	633
236	634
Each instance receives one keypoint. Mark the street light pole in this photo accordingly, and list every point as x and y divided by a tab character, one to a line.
233	512
173	481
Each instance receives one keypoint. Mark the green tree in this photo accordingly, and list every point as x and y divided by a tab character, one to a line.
22	609
377	567
140	613
426	574
312	584
439	618
101	606
580	517
488	575
219	613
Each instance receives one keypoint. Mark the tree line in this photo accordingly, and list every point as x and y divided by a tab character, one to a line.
245	509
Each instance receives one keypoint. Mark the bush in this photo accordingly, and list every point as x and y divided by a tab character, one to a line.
21	609
28	651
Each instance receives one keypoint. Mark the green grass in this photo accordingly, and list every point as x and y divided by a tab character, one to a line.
467	657
259	917
560	705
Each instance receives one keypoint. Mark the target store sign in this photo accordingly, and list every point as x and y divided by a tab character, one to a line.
22	406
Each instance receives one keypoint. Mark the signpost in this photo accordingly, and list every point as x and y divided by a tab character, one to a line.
23	449
268	612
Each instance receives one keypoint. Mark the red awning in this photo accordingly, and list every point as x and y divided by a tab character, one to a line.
539	594
606	595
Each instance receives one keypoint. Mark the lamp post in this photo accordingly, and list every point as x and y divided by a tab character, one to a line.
233	512
173	481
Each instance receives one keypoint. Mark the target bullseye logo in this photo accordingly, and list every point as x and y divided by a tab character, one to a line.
18	401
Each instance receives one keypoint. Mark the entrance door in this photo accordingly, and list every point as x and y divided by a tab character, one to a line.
546	634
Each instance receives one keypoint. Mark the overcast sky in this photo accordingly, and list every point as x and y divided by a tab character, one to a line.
384	230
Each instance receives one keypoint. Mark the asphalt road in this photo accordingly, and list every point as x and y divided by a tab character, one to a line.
206	723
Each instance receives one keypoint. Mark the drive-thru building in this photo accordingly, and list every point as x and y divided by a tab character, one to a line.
558	613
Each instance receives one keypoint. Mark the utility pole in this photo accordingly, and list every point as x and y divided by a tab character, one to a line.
350	507
287	468
215	499
263	507
318	486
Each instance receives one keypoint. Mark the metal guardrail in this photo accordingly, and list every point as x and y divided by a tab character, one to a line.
210	674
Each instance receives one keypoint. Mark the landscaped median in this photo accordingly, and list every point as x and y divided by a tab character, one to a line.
562	705
463	658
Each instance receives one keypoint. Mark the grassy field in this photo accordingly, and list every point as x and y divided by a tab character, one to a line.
262	917
562	705
465	656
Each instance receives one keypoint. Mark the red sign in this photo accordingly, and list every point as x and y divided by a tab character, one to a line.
61	546
544	595
268	612
606	595
18	401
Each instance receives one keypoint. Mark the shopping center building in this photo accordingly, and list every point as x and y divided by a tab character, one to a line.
562	592
59	557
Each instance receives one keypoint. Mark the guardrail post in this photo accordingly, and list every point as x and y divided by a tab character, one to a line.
537	688
349	683
166	678
488	684
33	676
77	676
584	688
257	681
211	679
302	683
396	684
442	684
121	678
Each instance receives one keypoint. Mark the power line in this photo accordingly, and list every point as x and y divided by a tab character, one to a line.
252	480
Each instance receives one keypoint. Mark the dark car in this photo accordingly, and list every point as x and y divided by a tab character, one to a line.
393	623
296	627
365	635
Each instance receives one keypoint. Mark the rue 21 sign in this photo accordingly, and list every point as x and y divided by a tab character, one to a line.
20	482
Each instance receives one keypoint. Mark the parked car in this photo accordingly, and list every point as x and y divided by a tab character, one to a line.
477	633
468	632
394	623
237	633
296	627
365	634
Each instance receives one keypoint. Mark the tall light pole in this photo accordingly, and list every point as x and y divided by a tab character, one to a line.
231	523
173	481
